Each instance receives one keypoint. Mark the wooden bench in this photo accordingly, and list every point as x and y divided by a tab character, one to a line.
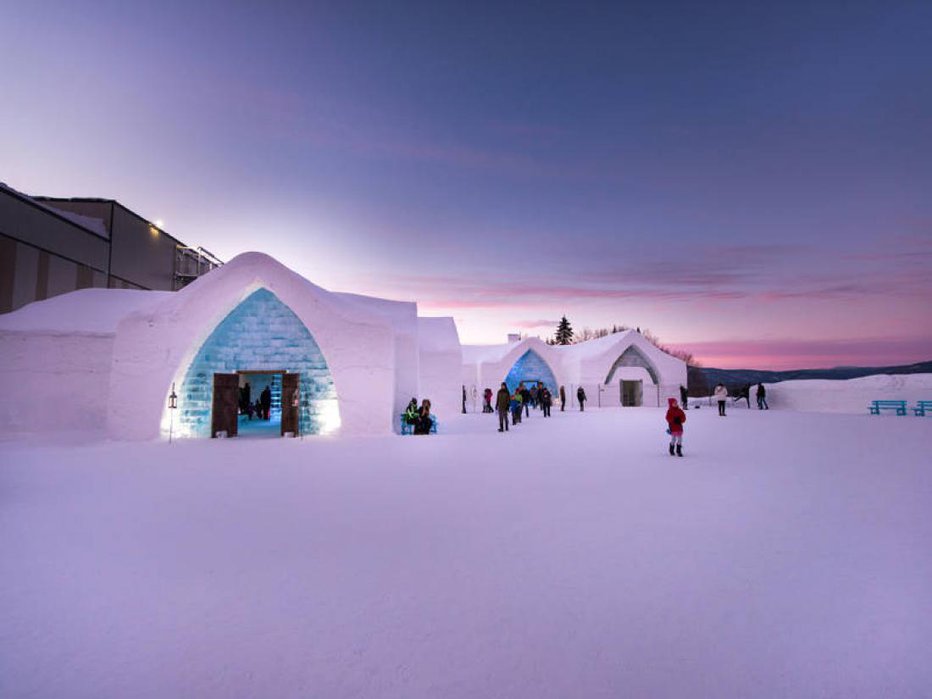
898	405
921	407
407	428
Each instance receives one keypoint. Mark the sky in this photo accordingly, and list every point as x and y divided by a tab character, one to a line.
750	181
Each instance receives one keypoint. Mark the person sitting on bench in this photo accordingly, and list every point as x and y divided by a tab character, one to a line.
423	424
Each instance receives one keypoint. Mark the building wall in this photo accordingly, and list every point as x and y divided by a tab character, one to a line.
47	248
43	255
142	254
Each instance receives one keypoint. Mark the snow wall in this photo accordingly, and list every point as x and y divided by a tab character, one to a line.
441	365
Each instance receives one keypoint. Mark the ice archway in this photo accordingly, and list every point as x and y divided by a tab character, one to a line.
530	368
259	334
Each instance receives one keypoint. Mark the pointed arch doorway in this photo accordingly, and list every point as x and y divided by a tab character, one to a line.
529	369
261	340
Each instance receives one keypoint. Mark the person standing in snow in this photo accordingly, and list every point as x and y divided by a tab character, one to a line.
502	403
562	398
526	400
581	397
487	396
546	400
721	395
762	397
516	401
265	399
675	419
684	397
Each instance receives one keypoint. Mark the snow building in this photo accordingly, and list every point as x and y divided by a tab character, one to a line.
111	360
622	369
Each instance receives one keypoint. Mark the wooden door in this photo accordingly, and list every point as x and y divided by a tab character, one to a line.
291	403
225	407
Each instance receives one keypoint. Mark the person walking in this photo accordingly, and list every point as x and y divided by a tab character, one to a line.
581	397
487	396
562	398
516	401
265	400
721	395
525	399
684	397
762	397
675	418
247	400
545	400
502	403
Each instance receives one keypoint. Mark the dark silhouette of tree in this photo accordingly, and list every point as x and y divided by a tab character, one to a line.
564	334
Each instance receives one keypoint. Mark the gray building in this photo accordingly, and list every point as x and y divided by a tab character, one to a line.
49	246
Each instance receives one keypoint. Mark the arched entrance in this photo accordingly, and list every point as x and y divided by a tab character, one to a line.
631	390
531	368
261	337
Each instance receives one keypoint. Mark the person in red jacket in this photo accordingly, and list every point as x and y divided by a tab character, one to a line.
675	419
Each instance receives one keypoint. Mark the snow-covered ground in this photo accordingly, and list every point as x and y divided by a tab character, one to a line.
787	555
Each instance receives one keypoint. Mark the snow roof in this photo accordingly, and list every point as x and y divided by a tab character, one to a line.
88	223
595	347
87	311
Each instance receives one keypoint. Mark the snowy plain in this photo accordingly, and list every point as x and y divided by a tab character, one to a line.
786	555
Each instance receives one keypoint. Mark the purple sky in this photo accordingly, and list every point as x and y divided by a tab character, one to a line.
750	181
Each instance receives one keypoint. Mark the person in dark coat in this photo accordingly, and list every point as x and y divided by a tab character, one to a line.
744	393
245	401
423	424
684	397
502	404
525	399
545	400
562	398
487	395
265	400
581	397
762	397
675	419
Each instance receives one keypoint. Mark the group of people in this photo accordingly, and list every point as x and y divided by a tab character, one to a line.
721	396
537	396
262	408
419	417
522	400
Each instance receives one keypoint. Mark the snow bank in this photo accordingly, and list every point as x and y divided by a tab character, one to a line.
849	396
774	560
86	311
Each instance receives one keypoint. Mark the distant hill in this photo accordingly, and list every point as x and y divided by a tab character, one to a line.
701	379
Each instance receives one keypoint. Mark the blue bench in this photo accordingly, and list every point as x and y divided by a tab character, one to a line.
407	428
922	406
898	405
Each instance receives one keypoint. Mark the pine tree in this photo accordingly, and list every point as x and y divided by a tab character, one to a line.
564	334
